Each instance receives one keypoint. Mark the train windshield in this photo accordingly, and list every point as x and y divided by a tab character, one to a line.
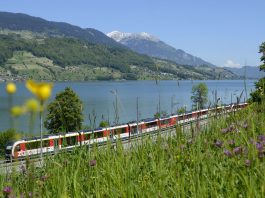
8	151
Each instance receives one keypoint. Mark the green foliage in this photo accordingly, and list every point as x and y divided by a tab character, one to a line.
7	136
104	123
160	114
67	51
181	110
259	94
199	95
262	50
64	113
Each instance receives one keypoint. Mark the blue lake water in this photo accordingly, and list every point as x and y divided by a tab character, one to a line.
101	97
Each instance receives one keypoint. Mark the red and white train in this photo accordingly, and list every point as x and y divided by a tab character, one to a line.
56	142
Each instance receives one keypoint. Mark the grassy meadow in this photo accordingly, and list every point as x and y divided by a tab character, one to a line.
224	160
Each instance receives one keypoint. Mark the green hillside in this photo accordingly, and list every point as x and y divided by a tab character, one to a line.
25	54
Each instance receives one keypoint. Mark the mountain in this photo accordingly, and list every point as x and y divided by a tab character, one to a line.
18	22
252	72
34	48
147	44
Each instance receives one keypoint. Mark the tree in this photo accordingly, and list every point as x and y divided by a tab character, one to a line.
199	95
258	94
64	113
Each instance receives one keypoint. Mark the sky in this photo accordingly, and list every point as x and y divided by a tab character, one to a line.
223	32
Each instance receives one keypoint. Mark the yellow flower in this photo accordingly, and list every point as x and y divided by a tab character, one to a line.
17	111
41	90
32	105
11	88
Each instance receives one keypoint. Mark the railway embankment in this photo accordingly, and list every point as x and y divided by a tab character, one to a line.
225	159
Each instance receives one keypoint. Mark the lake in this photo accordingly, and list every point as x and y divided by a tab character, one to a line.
100	96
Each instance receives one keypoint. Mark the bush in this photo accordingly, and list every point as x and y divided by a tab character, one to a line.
7	136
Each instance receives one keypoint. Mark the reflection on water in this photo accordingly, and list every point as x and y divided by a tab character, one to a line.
101	97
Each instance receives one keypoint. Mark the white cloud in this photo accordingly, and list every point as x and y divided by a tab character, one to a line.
231	63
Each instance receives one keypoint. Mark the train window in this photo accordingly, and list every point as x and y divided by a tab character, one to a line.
69	141
17	148
151	124
164	122
46	143
119	131
98	134
33	145
87	136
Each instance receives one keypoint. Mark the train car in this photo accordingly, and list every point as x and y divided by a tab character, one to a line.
149	125
133	128
121	131
91	136
164	122
30	147
67	141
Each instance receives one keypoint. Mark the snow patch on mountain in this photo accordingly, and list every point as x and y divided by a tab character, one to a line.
121	36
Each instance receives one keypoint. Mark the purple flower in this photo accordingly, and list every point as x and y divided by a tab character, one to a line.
245	126
30	194
7	190
228	153
93	162
218	143
259	147
224	131
261	138
247	162
237	150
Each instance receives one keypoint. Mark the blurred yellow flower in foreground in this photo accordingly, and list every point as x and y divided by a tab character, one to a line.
32	105
11	88
17	111
42	90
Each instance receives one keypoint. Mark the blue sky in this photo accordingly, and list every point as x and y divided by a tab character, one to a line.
223	32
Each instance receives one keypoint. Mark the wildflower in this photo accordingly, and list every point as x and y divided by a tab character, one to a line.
30	194
7	190
41	90
218	143
245	126
237	150
93	162
259	147
224	131
247	162
32	105
228	153
17	111
261	138
11	88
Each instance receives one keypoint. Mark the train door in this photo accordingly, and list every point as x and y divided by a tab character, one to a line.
56	145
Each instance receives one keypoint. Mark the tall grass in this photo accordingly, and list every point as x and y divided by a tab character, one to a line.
224	160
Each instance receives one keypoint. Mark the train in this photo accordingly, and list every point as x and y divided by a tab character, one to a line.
53	143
